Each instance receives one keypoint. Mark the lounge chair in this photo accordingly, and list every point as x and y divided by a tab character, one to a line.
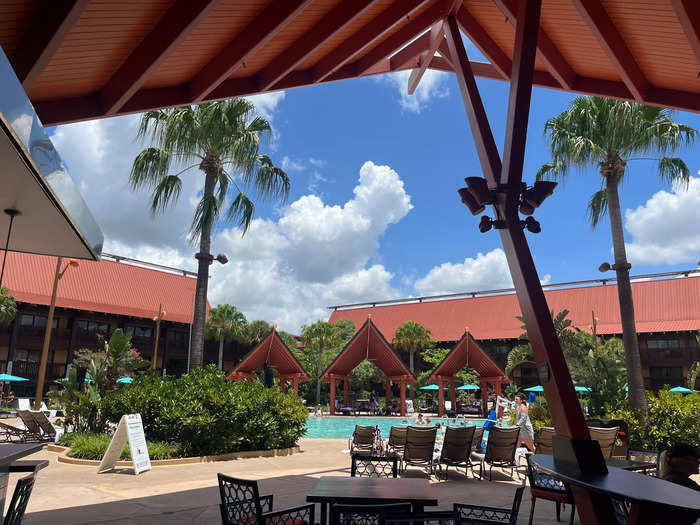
479	514
649	456
10	433
420	447
363	438
30	423
606	439
365	466
544	486
23	403
457	448
544	440
364	514
242	503
500	449
397	440
20	498
48	431
437	517
477	442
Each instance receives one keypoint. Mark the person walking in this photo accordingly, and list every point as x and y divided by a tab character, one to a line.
522	421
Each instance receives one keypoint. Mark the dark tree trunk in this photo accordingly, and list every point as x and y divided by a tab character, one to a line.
635	381
200	303
319	371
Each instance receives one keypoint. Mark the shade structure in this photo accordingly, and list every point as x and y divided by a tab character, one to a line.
680	390
430	387
126	380
537	388
275	353
582	389
468	387
7	378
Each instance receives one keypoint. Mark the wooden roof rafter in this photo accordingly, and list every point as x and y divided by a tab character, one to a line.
688	13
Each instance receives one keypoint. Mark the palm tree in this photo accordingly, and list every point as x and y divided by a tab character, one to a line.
8	306
318	337
412	337
227	324
607	134
222	139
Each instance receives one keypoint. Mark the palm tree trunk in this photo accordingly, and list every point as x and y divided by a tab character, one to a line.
204	261
221	351
635	381
319	370
410	361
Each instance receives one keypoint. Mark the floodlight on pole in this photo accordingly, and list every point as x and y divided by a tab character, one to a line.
12	214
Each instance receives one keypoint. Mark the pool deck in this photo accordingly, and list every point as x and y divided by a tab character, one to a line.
187	494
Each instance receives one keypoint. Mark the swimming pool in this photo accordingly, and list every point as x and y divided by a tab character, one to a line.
343	426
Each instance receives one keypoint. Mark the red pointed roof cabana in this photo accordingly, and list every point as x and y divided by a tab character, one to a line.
276	354
467	352
368	343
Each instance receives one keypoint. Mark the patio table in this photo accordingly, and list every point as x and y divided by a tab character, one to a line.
371	491
631	465
10	452
644	492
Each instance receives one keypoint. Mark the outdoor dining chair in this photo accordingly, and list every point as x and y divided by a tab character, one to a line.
363	438
544	440
483	515
364	514
365	466
439	517
648	456
241	502
500	450
456	448
420	447
544	486
20	498
606	439
397	440
10	433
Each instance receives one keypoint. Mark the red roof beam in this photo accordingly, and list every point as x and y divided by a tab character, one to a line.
339	18
444	51
47	31
609	38
546	50
255	35
364	38
688	12
180	20
436	37
408	54
407	33
484	43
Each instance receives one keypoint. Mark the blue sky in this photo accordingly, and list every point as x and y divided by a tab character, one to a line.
374	211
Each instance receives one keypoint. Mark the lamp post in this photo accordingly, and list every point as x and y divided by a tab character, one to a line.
47	332
12	213
157	319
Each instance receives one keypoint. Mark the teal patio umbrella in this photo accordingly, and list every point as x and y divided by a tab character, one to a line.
125	380
680	390
7	378
430	387
537	388
468	387
582	389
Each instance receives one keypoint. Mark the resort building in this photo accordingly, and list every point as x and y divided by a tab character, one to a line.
667	312
94	299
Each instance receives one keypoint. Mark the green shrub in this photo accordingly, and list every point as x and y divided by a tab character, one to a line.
94	446
673	418
206	414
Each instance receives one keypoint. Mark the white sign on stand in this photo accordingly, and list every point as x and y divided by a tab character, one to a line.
130	430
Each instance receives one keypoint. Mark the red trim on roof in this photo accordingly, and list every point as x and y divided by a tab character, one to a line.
664	305
274	352
101	286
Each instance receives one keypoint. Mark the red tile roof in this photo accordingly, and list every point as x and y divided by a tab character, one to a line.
664	305
467	352
273	351
104	286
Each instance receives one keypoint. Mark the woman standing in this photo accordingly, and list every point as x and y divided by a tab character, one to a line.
522	421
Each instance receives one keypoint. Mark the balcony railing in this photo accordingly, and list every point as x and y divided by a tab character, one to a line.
30	370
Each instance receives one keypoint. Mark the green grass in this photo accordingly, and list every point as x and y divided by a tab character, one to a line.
93	446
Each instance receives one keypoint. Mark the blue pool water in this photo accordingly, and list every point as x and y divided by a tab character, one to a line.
343	426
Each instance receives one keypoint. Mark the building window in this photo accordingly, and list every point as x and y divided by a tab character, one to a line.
666	375
93	327
178	338
139	331
36	321
658	348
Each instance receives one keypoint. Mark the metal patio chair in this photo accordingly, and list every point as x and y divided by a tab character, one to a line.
364	514
420	447
483	515
456	448
366	466
544	486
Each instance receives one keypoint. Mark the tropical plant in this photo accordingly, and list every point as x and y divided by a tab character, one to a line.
607	134
222	139
319	338
412	337
256	331
693	371
226	324
436	355
94	446
510	391
80	403
8	307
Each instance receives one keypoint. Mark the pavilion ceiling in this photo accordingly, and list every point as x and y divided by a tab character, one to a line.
84	59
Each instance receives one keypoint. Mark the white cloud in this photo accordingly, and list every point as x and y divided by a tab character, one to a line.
665	230
266	103
485	272
432	86
291	165
317	163
316	178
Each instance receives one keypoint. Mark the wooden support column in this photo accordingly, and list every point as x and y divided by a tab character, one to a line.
295	385
402	407
332	407
453	395
441	397
346	392
506	178
283	383
484	399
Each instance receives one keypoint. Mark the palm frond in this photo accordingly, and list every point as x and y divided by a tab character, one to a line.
152	124
167	190
552	171
205	215
222	184
271	181
241	211
674	170
597	207
149	167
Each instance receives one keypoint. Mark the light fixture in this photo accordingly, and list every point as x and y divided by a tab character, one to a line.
221	258
470	202
526	208
480	190
486	223
537	194
605	267
12	213
532	225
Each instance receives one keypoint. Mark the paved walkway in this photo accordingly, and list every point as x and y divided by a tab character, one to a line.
187	494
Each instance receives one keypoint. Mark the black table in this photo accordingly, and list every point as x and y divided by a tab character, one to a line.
631	465
644	492
371	491
10	452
